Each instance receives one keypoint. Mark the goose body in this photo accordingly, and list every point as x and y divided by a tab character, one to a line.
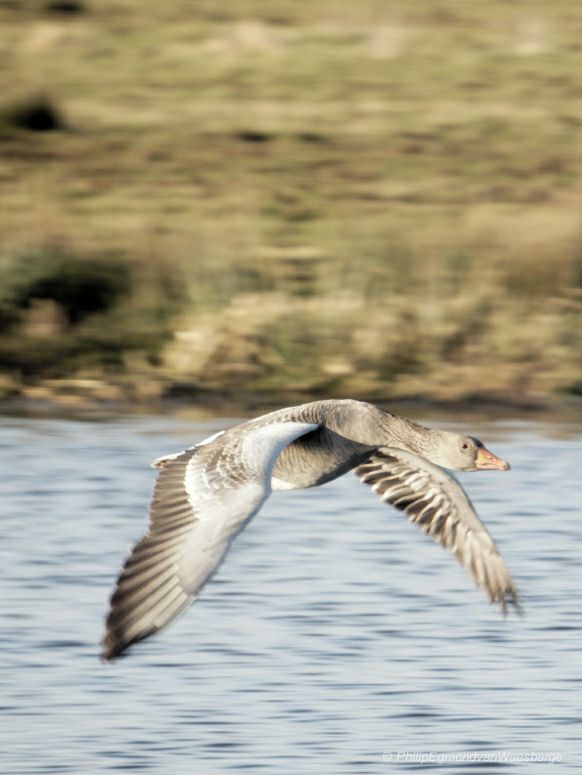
205	495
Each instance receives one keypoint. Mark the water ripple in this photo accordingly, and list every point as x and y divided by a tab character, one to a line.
333	633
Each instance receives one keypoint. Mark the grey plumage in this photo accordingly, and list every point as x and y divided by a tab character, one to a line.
436	502
204	496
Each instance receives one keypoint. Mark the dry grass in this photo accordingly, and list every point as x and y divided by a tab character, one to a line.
363	198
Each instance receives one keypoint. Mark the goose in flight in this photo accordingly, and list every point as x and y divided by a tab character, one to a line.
204	496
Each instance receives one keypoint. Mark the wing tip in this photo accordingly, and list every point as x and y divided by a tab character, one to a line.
507	598
114	644
517	605
111	649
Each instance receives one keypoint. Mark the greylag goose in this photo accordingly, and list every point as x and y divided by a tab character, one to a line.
204	496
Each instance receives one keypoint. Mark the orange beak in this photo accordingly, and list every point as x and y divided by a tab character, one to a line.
487	461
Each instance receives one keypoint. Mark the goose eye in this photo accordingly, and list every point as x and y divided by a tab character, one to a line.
464	445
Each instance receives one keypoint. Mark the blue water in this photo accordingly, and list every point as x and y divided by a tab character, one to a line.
334	636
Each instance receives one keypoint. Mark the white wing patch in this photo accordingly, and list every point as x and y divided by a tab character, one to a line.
281	484
202	498
210	439
162	461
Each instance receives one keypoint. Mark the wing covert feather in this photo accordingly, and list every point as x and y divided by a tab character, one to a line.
434	500
202	498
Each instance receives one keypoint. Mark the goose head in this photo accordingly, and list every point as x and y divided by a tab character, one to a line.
466	453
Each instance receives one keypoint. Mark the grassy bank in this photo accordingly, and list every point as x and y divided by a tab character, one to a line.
377	199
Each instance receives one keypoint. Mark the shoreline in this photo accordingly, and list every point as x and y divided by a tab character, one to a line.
97	399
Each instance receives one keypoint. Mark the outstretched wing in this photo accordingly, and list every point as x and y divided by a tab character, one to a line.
202	498
436	502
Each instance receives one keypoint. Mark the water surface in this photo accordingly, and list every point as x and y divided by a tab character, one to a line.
333	634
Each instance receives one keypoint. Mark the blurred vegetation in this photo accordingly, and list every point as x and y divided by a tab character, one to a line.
376	199
60	313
